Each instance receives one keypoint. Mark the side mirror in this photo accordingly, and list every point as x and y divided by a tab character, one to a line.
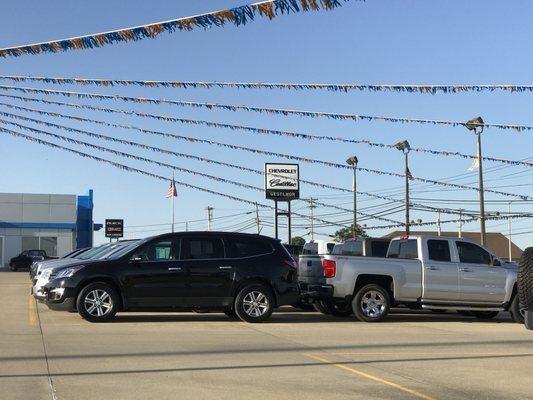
136	258
496	262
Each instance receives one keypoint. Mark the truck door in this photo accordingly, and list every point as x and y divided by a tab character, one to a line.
479	281
440	274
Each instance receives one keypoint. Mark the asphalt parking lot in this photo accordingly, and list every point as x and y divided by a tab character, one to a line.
52	355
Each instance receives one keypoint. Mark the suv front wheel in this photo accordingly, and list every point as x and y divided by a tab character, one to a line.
254	303
97	302
371	303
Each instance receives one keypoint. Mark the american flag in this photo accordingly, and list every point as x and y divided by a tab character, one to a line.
172	192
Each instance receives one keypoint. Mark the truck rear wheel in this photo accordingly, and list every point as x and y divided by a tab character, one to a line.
525	278
371	303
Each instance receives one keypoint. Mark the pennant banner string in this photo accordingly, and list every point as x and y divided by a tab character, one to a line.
339	87
240	167
266	152
260	172
188	185
274	111
131	169
170	166
298	135
237	16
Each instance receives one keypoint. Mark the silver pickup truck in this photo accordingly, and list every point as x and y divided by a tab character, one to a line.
420	272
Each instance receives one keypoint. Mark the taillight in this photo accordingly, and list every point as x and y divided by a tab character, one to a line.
329	267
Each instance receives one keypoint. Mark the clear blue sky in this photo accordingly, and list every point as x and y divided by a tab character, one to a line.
396	41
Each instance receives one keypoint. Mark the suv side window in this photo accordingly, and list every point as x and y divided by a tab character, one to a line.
200	248
161	250
439	250
473	254
248	247
405	249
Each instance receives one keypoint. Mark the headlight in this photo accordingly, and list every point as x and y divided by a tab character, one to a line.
68	272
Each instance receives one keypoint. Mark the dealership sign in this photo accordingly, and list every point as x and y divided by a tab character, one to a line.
282	181
114	228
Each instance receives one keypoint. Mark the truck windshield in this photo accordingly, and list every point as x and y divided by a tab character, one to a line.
405	249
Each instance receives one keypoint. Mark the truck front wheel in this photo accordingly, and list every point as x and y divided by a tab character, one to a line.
371	303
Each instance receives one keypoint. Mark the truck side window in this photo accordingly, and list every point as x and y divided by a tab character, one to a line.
472	253
352	248
439	250
405	249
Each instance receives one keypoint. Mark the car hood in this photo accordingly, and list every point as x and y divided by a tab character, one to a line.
62	262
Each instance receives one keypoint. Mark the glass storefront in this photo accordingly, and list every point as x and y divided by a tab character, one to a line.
46	243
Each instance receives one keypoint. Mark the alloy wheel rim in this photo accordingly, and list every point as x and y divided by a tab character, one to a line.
255	304
98	303
373	304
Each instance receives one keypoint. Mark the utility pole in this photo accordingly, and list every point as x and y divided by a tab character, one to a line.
353	162
510	233
438	223
209	210
186	226
312	219
460	231
404	147
476	125
257	221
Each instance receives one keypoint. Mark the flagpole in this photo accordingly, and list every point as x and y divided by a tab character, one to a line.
173	202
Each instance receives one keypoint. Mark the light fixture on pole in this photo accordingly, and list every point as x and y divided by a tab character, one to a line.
404	147
353	162
476	125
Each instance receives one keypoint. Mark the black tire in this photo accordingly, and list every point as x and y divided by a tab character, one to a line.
371	303
528	320
525	278
485	314
254	303
94	294
517	311
303	305
13	268
230	312
322	307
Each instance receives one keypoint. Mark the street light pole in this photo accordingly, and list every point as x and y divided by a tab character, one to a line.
476	125
404	147
353	162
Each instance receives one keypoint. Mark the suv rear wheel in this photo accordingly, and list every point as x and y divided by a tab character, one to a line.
97	302
254	303
371	303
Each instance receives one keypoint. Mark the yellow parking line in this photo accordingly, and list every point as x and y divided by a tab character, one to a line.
32	312
371	377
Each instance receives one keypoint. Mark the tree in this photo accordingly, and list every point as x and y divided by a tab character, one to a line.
298	240
344	234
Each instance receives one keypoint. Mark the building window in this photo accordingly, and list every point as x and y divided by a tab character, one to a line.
46	243
49	244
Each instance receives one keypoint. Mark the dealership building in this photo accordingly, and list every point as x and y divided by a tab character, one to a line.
56	223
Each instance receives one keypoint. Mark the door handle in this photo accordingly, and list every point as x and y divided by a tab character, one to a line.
433	268
225	267
465	270
174	269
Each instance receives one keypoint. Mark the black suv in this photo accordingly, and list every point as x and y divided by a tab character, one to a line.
244	275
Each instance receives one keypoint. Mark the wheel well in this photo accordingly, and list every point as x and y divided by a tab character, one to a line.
249	281
108	281
514	293
383	280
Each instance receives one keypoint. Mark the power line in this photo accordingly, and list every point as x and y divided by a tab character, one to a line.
275	111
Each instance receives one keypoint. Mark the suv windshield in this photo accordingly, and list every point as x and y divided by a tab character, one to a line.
122	249
93	252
